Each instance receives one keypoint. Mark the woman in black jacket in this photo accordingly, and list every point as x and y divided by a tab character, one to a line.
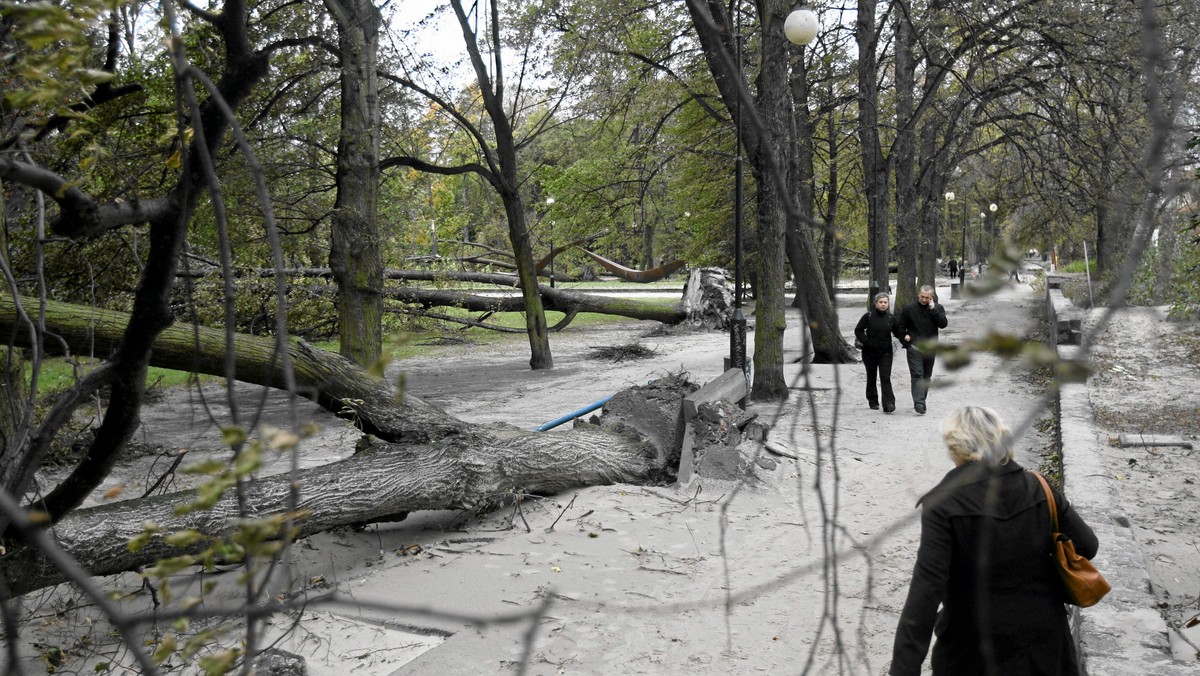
874	336
985	557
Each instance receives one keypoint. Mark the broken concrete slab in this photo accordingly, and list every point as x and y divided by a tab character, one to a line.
730	385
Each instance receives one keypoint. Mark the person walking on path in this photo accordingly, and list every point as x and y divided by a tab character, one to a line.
985	557
920	321
874	333
953	268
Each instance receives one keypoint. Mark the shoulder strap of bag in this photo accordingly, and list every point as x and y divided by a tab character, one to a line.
1049	500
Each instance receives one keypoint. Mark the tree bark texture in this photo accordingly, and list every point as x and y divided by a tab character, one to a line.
767	161
487	463
355	243
903	156
874	167
329	379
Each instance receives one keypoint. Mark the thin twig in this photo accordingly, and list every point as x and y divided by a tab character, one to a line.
564	511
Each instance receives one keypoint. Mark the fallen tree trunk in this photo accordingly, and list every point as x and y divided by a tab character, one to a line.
432	461
555	299
559	300
488	463
328	379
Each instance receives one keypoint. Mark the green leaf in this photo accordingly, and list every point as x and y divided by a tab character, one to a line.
183	538
92	76
233	435
149	530
169	566
211	466
165	649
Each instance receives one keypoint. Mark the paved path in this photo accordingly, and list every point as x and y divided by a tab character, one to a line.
667	613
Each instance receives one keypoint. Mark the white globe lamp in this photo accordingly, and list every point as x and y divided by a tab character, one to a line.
801	26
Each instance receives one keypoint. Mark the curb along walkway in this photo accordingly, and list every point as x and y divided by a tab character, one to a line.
1123	635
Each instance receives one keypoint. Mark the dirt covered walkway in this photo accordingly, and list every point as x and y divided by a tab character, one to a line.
806	563
803	565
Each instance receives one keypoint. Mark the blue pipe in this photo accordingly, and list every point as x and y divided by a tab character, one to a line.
571	416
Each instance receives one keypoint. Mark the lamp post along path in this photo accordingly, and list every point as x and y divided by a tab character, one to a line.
800	27
992	229
962	268
949	199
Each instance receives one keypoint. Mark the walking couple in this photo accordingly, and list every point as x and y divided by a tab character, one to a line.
916	324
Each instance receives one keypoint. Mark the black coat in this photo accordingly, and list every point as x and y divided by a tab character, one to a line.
875	331
986	557
921	322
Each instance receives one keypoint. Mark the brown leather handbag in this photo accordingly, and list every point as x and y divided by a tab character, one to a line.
1083	585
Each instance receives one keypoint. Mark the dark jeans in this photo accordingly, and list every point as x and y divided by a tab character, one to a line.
920	368
879	363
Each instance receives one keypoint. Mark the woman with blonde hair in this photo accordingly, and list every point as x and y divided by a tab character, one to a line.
985	557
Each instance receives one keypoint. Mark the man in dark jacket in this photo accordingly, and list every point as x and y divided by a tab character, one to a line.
874	334
919	322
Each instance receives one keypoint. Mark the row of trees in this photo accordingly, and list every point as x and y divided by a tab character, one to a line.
282	135
626	118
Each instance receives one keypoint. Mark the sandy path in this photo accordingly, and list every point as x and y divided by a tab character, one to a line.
635	578
706	578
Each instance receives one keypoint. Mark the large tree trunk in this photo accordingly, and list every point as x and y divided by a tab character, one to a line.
426	459
482	462
711	21
908	227
768	161
355	245
327	378
874	166
559	300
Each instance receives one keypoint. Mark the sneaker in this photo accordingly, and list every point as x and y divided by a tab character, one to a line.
873	405
920	408
889	409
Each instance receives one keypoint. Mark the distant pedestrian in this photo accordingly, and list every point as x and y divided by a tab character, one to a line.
874	332
1014	274
953	267
919	325
985	558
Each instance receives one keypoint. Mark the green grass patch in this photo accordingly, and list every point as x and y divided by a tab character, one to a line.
1078	266
401	345
57	374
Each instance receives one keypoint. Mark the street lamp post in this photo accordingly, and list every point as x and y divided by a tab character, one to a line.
962	266
979	243
801	28
550	203
949	200
992	230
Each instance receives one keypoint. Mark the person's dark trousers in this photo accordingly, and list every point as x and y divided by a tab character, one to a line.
920	368
879	363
